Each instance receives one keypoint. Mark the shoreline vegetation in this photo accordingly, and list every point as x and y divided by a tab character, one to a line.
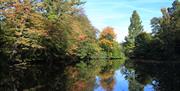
163	43
51	44
50	31
42	31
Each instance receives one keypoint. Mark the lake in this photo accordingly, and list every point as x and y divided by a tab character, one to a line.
97	75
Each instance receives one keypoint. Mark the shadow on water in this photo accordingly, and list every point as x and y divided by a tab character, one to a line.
54	77
161	76
113	75
32	78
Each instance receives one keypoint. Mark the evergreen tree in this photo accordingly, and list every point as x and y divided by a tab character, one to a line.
175	26
135	29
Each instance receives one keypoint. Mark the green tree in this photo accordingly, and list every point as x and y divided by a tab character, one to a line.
164	43
142	43
117	50
175	25
155	25
135	29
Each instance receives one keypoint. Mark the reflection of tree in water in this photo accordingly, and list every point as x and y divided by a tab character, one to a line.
131	76
163	76
56	77
106	74
134	85
34	78
80	79
107	81
45	77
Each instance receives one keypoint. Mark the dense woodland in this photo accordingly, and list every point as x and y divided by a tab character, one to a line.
52	30
35	30
50	45
164	40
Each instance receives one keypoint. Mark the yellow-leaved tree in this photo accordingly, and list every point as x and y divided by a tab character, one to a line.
107	37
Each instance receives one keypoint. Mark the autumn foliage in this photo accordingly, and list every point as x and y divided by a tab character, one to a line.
107	37
49	30
45	30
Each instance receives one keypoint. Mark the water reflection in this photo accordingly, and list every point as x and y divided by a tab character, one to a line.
57	77
106	74
163	76
97	75
32	78
112	75
138	81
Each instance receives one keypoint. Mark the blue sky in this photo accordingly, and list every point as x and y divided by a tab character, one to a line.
116	13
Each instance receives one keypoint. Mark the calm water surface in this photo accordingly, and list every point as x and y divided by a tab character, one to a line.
121	83
112	75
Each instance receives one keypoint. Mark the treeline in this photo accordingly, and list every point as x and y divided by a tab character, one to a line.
51	30
164	40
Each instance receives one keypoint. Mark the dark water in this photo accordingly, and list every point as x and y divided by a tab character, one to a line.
98	75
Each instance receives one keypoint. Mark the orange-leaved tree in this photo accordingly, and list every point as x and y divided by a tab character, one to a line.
22	30
107	37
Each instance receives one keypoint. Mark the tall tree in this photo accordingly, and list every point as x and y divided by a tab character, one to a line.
165	42
175	25
135	28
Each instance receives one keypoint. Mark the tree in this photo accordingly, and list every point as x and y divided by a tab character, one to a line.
165	42
142	43
63	28
135	29
155	25
117	50
108	33
45	30
175	25
106	40
22	32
